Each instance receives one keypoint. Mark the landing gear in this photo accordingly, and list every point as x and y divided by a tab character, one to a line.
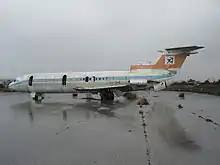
37	97
75	95
107	96
130	96
88	97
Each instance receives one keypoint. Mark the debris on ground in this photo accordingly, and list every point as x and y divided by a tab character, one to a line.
180	106
131	130
155	96
181	95
208	120
144	124
142	101
141	112
130	96
67	127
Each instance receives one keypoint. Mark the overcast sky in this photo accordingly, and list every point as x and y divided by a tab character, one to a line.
89	35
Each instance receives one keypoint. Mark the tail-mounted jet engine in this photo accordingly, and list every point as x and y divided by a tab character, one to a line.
139	82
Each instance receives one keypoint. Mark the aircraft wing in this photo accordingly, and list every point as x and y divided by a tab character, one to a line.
157	85
100	88
152	82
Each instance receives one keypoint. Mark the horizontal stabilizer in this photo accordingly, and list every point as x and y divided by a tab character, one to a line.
183	50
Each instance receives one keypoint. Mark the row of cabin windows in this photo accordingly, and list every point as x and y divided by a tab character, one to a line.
86	79
100	78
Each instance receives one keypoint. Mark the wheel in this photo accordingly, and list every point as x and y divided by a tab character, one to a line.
38	98
75	95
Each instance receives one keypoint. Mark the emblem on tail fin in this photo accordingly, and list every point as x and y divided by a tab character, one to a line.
169	60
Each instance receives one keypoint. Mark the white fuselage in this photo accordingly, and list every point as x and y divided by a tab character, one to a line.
70	81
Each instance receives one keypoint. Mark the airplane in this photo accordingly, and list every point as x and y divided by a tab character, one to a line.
107	84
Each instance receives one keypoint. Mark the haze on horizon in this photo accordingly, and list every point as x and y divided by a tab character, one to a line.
90	35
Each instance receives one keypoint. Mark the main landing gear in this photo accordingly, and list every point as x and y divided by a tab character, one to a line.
107	96
37	97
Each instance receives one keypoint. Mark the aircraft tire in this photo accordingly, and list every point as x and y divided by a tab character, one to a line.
38	98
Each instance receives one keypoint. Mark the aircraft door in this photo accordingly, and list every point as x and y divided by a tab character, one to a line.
93	78
64	87
87	79
93	81
30	83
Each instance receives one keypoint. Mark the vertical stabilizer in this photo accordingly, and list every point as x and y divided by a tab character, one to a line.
171	59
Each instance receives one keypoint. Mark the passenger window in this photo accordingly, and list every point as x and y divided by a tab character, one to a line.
106	78
90	79
64	80
99	78
30	81
86	79
103	78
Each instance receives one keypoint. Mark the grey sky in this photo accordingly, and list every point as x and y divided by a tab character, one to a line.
89	35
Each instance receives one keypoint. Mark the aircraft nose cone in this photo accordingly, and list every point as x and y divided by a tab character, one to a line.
11	85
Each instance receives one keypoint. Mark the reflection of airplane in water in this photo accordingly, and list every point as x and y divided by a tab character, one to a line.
79	111
107	83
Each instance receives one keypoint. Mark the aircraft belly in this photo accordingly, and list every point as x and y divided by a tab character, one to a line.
37	87
58	88
67	88
54	87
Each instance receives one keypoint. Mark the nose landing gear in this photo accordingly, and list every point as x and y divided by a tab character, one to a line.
37	97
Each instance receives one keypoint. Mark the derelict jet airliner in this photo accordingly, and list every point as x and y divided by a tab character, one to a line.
107	83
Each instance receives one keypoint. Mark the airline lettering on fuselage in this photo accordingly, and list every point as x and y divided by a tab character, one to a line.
115	82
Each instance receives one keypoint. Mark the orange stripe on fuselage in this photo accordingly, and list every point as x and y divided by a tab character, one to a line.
161	63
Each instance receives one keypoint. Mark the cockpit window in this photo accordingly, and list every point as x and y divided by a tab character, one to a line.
18	79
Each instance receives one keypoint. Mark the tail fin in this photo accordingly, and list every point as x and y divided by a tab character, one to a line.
171	59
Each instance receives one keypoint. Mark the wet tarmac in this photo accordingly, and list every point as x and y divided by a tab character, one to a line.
66	131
